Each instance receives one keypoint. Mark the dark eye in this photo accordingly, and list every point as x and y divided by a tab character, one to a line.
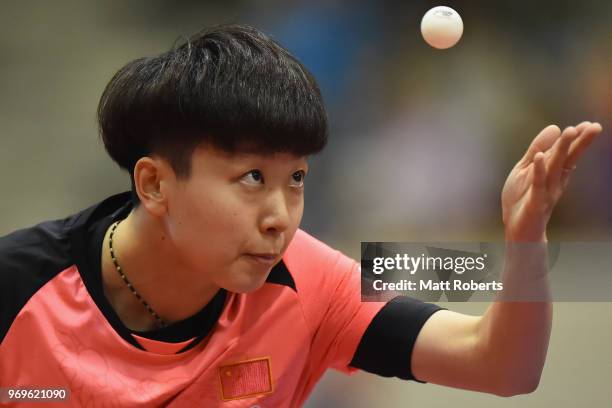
297	178
253	177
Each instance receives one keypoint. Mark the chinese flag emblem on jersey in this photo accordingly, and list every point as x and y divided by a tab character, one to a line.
246	378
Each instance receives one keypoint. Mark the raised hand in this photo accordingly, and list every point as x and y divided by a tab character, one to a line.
539	179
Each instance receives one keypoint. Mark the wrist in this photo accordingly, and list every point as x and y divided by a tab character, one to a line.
536	235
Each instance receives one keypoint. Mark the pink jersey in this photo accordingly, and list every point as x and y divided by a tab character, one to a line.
267	348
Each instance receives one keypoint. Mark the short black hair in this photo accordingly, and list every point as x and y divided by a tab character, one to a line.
229	86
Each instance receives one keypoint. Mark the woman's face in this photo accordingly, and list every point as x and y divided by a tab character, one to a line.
234	217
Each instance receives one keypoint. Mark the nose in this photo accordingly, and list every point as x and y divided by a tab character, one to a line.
276	216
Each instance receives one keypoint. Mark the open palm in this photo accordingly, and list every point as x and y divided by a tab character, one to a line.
539	179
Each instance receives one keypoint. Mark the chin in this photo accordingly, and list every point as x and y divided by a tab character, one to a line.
247	282
245	287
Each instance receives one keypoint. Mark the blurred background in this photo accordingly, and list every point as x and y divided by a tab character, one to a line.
421	139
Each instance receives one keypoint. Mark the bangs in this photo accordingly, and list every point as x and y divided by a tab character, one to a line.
231	87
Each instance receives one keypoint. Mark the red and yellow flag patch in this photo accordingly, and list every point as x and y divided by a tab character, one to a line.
245	379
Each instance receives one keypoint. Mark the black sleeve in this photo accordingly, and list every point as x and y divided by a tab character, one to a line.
386	346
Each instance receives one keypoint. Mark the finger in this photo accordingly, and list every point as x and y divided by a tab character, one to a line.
542	142
565	177
539	172
567	171
556	160
582	126
579	145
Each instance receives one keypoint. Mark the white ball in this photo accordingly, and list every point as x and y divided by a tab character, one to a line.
442	27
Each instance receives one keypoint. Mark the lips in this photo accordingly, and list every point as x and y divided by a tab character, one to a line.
264	258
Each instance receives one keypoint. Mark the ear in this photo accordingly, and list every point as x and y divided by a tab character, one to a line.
152	177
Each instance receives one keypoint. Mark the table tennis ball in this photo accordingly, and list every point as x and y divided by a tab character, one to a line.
442	27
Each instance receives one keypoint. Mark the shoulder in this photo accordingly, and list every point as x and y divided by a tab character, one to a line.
309	259
307	252
29	240
322	275
29	258
38	251
32	249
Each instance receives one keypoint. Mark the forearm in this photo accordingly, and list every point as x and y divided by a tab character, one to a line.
515	330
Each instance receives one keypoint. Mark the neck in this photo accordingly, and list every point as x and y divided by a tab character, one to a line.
152	265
